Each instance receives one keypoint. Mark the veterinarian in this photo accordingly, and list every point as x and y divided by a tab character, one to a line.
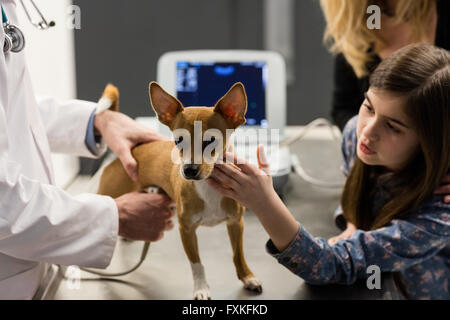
39	222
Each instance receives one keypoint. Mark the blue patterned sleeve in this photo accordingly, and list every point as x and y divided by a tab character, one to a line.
348	151
348	146
401	244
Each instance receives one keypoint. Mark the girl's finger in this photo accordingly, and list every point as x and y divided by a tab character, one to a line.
333	240
223	191
447	199
263	164
240	163
224	178
231	171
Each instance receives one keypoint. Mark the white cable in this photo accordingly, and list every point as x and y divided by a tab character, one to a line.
298	169
315	123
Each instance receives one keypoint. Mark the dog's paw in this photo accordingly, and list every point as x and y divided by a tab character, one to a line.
252	284
202	294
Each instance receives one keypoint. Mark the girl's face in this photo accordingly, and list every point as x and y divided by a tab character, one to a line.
385	134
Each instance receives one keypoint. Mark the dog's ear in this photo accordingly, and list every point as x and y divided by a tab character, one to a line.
165	105
233	105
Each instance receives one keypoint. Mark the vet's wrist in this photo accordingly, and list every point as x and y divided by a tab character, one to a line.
122	216
100	122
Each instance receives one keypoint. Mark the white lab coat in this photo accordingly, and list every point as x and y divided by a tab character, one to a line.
39	222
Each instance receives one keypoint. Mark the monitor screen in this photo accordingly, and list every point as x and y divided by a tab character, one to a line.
203	83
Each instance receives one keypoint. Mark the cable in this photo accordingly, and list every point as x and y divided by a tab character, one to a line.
297	167
105	274
145	248
315	123
93	182
118	274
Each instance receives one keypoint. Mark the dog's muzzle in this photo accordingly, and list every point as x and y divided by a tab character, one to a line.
191	171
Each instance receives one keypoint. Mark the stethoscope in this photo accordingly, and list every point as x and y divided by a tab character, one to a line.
14	38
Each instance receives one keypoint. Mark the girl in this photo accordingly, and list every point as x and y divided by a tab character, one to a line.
397	150
359	50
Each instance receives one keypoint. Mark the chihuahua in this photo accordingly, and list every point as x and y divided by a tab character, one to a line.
181	167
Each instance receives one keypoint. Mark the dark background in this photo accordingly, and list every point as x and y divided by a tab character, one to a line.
120	41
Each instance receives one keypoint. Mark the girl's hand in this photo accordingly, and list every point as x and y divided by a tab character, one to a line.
445	188
346	234
252	187
245	183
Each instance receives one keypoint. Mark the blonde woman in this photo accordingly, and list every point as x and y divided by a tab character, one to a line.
358	51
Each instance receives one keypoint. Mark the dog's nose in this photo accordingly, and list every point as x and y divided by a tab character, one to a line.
191	170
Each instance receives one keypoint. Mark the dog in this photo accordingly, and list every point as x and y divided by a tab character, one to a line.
171	166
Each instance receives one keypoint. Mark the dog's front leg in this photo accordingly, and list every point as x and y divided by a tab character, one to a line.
235	229
189	239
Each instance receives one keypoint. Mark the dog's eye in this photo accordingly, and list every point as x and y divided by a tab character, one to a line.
178	140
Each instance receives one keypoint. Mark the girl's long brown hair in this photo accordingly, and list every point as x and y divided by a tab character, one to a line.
421	73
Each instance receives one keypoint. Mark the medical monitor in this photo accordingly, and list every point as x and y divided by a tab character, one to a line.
201	77
201	83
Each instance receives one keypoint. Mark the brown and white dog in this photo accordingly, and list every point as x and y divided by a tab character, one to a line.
184	180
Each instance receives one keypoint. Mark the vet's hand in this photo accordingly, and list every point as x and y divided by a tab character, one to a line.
121	134
444	188
144	216
247	184
346	234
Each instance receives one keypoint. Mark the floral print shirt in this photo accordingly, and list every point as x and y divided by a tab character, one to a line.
417	247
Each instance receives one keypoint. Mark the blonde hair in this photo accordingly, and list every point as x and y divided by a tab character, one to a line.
347	33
